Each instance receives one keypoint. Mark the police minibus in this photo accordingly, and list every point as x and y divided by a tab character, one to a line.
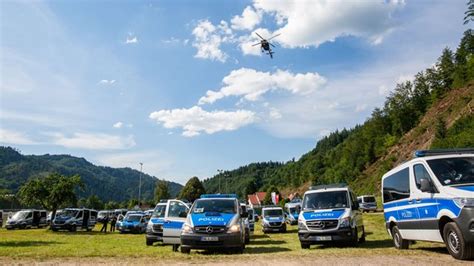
431	198
330	213
292	210
214	221
273	219
154	229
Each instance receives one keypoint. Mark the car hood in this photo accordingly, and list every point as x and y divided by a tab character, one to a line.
216	219
324	214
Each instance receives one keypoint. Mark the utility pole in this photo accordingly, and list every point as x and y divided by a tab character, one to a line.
220	173
140	186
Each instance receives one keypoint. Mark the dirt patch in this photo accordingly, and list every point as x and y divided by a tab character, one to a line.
436	259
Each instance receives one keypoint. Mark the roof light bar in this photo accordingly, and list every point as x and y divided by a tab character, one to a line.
424	153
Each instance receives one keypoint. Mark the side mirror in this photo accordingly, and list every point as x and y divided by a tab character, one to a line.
425	186
244	215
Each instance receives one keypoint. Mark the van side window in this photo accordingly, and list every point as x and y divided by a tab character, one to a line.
396	186
177	209
420	172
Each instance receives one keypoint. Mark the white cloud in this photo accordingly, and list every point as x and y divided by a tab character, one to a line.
92	141
251	84
311	23
195	120
15	137
107	81
208	39
131	39
118	125
275	113
360	107
248	20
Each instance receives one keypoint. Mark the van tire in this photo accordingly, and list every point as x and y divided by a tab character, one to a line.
455	243
305	245
355	238
185	250
398	241
73	228
149	242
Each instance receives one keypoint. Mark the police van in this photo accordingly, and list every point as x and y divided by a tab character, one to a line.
73	219
330	213
292	210
431	198
27	219
214	221
154	229
273	219
176	212
367	203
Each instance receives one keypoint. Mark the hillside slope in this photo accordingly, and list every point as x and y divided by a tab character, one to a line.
117	184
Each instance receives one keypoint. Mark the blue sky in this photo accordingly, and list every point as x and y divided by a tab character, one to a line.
178	86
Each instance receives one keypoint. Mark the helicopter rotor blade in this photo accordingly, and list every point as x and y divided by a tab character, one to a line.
271	44
259	36
274	36
256	44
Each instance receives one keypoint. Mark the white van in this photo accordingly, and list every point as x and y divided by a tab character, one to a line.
330	213
431	198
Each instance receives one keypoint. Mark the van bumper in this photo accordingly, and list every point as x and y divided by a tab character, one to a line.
196	241
340	235
465	222
154	237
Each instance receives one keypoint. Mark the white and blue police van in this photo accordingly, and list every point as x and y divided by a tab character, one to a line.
431	198
330	213
214	221
367	203
292	211
273	219
154	228
176	212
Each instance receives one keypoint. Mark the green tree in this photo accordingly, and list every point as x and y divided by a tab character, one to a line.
50	192
192	190
111	205
94	202
469	12
161	190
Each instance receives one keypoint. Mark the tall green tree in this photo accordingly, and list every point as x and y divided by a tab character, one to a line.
192	190
161	190
50	192
94	202
111	205
469	14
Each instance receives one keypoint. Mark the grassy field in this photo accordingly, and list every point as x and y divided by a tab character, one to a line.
41	244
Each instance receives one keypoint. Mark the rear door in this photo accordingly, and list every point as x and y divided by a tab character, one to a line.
175	216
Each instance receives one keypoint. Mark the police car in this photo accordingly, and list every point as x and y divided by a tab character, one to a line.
214	221
431	198
154	229
330	213
273	219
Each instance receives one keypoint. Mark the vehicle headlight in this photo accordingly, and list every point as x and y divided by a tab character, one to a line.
301	225
265	222
187	228
345	222
234	229
149	226
464	202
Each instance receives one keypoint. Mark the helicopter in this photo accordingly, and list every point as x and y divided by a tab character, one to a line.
265	44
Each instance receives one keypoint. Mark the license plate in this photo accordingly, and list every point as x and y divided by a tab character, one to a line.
323	238
209	238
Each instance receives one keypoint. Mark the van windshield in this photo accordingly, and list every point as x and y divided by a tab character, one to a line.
369	199
453	171
133	218
102	214
325	200
215	205
295	209
159	211
67	213
20	215
273	213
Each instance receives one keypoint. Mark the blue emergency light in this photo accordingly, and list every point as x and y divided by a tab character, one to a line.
423	153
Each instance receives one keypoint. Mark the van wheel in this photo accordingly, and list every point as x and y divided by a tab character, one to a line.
398	240
304	245
355	238
185	250
362	238
54	229
73	228
149	242
455	242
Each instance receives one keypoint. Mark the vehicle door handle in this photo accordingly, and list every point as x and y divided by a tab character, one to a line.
418	200
410	202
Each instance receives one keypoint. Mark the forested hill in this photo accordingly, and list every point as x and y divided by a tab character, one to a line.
109	184
434	110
